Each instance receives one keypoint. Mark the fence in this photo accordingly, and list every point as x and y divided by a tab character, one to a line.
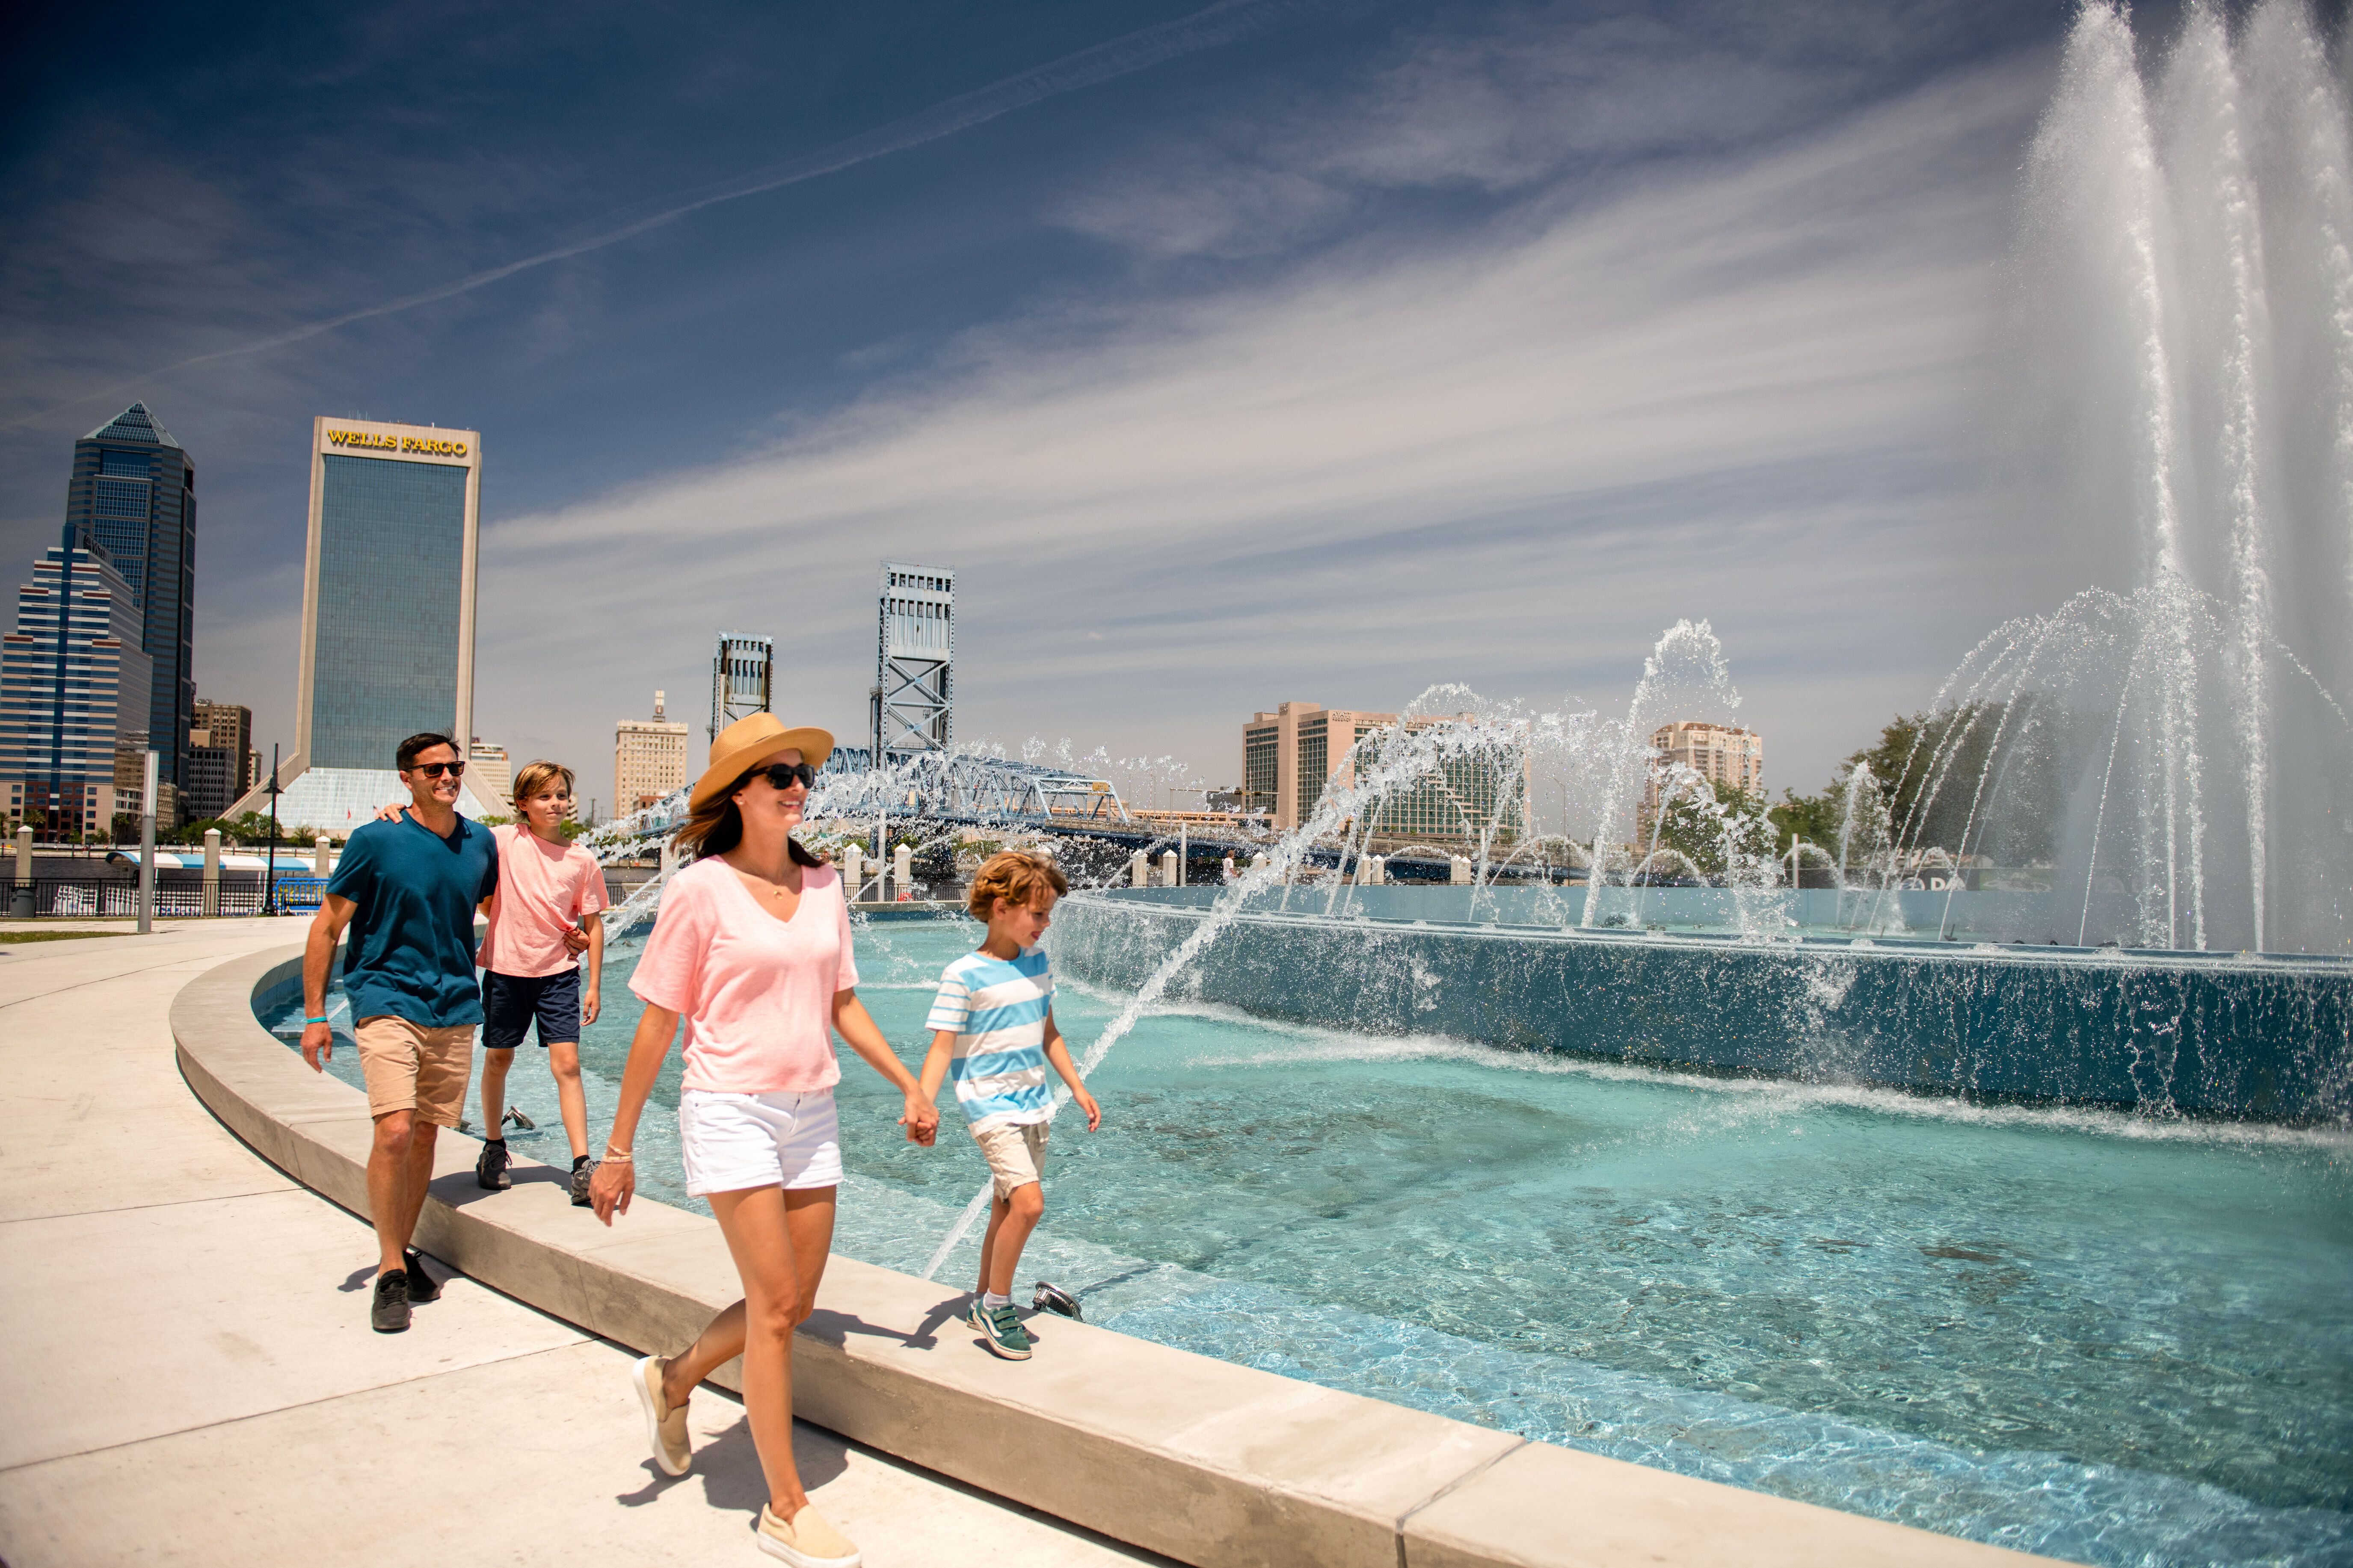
179	896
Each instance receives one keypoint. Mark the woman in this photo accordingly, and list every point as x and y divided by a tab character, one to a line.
752	948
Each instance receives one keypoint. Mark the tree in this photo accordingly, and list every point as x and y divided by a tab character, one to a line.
1720	830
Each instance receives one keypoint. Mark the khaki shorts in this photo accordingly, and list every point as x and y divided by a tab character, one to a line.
1016	1155
411	1068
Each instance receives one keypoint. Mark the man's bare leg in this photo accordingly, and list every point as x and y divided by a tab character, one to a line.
399	1136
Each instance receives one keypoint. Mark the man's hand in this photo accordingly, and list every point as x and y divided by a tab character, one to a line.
318	1046
1087	1103
610	1189
922	1120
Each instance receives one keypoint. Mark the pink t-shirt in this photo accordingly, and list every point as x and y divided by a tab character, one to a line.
756	992
543	890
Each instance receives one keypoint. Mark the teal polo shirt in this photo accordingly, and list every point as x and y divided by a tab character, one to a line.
409	949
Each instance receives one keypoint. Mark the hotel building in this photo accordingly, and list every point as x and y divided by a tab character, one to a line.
1292	755
134	491
387	617
74	688
1720	754
648	760
492	772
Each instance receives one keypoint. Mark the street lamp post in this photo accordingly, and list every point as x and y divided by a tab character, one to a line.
269	877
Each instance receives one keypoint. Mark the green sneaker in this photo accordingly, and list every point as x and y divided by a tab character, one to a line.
1001	1332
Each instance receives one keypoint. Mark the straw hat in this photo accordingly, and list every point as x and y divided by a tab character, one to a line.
745	742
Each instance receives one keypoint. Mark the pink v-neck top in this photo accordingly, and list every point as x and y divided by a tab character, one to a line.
756	992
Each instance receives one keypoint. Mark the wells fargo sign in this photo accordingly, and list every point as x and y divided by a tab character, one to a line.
428	446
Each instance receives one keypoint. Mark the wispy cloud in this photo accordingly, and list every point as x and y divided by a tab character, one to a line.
1507	453
1225	22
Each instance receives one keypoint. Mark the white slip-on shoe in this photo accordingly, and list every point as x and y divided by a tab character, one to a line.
665	1431
808	1542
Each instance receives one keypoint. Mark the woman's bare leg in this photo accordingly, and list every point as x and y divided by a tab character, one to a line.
780	1241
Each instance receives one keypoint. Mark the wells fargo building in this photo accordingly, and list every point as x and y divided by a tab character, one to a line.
387	612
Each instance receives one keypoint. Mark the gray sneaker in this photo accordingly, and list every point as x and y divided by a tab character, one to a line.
490	1170
388	1313
581	1173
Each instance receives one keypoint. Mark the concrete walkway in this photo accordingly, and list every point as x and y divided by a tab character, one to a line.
191	1377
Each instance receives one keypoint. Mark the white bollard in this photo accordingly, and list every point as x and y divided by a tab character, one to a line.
854	871
903	872
1381	871
1139	870
21	904
320	862
1457	869
211	905
1169	873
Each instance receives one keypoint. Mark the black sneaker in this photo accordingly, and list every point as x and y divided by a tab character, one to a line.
490	1170
421	1285
389	1315
582	1170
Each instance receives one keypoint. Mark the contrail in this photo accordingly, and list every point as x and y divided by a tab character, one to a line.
1227	21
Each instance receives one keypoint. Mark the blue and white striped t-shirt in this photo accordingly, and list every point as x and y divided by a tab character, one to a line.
998	1008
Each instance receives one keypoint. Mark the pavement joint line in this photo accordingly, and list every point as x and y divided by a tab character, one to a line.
292	1186
1466	1479
96	979
297	1404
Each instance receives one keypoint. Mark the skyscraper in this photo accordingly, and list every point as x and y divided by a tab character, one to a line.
74	685
648	760
387	616
134	491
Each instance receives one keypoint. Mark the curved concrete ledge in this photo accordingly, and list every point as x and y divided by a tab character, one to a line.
1204	1461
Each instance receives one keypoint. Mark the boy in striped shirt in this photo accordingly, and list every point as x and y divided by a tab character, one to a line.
993	1032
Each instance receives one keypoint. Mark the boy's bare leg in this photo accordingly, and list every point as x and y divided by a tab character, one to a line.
494	1092
1022	1211
399	1169
563	1061
988	1241
808	1224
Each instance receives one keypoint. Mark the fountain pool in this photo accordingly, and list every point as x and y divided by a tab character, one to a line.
2107	1337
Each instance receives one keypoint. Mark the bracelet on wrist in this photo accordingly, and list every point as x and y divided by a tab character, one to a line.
320	1019
620	1157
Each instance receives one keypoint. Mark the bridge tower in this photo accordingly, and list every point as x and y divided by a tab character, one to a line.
914	661
743	679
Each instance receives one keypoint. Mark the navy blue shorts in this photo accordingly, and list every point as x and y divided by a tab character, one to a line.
510	1003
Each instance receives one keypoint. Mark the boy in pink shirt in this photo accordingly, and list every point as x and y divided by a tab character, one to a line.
530	974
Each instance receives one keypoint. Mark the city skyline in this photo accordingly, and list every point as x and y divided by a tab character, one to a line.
1336	322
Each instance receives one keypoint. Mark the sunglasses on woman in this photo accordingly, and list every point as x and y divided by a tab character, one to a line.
780	775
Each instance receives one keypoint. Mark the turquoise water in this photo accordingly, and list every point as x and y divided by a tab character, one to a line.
2113	1341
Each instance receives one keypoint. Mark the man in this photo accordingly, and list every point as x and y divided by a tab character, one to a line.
408	891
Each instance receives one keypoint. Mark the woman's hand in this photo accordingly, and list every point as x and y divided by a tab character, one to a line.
612	1188
922	1120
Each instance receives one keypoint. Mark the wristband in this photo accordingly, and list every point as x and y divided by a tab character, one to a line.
623	1158
321	1019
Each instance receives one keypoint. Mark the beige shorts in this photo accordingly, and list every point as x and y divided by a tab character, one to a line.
1016	1155
411	1068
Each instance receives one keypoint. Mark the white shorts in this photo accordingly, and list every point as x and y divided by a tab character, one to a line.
732	1141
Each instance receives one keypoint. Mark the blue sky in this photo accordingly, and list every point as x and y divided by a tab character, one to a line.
1283	349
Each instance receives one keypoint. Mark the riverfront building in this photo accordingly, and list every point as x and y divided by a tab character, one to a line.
492	772
134	490
221	761
1719	754
387	617
1292	755
74	688
648	760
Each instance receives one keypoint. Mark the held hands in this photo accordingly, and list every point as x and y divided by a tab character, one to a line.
922	1120
575	940
318	1046
611	1188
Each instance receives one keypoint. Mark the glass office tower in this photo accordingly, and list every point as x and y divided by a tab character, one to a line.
73	691
387	616
134	491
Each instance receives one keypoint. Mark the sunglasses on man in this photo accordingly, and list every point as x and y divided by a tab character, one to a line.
780	775
435	770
